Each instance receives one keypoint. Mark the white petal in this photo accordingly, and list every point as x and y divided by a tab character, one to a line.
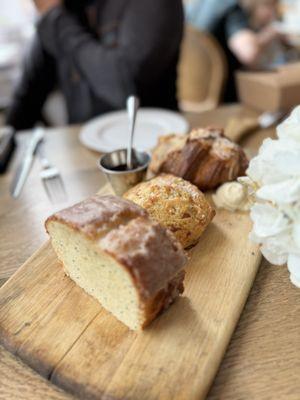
290	127
294	268
255	238
268	220
296	233
279	246
288	162
270	164
281	193
273	254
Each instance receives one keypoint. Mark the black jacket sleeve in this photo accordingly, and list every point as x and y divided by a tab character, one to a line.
148	34
236	20
36	82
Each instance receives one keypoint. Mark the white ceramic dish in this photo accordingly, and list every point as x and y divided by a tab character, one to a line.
110	131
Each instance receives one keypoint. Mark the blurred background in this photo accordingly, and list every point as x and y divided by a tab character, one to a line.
16	29
205	68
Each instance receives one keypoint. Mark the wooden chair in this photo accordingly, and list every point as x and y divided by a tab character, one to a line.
202	72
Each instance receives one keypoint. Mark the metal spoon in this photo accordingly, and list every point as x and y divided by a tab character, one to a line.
132	108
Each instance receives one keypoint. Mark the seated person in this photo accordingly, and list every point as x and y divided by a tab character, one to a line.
243	29
98	52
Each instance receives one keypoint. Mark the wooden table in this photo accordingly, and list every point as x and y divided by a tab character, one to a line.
263	358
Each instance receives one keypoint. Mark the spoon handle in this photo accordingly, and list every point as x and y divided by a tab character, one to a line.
132	107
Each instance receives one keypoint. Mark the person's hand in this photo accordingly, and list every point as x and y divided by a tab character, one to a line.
271	33
45	5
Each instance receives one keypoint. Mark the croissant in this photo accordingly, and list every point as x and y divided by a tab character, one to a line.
205	157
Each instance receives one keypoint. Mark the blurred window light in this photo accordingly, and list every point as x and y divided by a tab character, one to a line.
16	12
291	15
16	28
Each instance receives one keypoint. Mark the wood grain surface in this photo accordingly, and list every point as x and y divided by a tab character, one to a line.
262	360
66	336
18	382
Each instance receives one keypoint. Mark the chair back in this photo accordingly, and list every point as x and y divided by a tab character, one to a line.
202	72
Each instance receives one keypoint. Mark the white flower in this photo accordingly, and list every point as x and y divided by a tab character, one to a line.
285	192
289	129
274	252
294	268
296	234
275	176
268	220
276	161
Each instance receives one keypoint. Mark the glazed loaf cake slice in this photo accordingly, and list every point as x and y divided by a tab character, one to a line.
112	249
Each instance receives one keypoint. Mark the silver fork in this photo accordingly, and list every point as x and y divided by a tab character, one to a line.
51	178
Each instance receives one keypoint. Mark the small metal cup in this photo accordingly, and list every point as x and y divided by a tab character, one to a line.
121	181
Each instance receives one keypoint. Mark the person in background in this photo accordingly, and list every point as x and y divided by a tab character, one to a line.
243	28
98	53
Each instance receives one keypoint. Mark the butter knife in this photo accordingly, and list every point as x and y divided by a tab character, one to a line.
25	165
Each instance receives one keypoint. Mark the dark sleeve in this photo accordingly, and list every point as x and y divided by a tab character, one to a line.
37	80
235	21
148	37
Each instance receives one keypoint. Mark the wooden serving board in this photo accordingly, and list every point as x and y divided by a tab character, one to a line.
65	335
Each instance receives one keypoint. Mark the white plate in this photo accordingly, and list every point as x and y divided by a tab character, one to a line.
110	131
